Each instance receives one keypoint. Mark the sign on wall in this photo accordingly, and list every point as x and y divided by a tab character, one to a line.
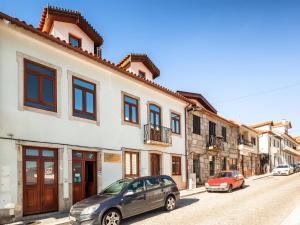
112	158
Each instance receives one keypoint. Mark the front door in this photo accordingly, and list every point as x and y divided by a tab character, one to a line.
84	175
212	166
39	180
155	164
155	123
196	168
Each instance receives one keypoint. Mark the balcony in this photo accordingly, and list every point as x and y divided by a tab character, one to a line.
246	142
291	149
214	143
157	135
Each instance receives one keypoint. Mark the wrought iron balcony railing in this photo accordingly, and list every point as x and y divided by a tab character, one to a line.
214	142
243	141
155	134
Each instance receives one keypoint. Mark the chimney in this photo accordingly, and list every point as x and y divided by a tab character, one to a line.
98	51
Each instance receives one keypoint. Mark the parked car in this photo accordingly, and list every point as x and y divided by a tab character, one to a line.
296	168
283	170
125	198
225	181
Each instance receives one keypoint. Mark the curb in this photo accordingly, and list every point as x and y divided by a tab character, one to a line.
194	193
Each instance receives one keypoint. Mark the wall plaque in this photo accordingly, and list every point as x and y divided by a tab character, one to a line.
112	158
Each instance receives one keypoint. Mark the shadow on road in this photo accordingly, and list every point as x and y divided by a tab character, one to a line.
180	204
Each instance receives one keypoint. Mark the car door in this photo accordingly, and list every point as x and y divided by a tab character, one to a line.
134	200
154	192
240	179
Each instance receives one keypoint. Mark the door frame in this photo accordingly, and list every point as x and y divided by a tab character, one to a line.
82	161
40	173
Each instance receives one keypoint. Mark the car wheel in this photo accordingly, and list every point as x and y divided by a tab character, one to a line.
112	217
242	185
230	189
170	203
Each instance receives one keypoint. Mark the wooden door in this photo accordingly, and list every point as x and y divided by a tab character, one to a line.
84	175
40	180
155	164
155	123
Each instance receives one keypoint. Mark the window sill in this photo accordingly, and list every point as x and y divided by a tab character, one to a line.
38	110
131	124
81	119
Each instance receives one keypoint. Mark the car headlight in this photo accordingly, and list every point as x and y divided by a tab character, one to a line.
206	185
90	209
224	184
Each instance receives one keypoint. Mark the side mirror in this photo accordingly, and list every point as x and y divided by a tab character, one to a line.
128	193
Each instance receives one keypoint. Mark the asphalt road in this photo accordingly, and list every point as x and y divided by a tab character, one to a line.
268	201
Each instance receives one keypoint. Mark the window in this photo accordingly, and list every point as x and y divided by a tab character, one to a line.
131	109
136	187
274	142
175	123
233	164
253	140
152	183
176	165
84	99
167	181
224	134
142	74
74	41
212	128
39	86
196	124
131	164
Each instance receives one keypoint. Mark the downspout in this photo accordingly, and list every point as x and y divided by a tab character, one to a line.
186	117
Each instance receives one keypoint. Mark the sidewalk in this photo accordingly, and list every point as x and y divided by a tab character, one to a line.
201	189
62	217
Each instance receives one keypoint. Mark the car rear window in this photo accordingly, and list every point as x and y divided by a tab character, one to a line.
152	183
166	181
282	166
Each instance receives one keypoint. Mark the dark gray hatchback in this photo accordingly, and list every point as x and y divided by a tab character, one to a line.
126	198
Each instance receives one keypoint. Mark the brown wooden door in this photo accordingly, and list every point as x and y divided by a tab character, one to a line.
155	164
84	175
39	180
155	123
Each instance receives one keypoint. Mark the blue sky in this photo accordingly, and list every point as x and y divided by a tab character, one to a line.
243	56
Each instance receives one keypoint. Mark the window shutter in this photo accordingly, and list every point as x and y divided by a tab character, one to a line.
196	124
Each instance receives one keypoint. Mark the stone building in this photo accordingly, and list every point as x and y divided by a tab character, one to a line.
211	140
249	160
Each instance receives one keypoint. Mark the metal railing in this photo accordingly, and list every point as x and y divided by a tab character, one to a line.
243	141
214	142
157	133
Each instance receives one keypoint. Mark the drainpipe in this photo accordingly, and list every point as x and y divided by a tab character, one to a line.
186	145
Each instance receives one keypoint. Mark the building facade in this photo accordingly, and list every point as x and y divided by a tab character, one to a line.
211	141
249	163
276	146
71	122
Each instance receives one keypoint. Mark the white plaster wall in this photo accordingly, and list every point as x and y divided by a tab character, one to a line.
263	143
136	66
8	174
62	30
108	134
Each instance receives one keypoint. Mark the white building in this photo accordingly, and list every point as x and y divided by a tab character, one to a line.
71	122
276	146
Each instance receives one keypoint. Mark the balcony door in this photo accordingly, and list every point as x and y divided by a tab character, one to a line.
155	123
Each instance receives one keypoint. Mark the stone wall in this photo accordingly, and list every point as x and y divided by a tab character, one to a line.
197	145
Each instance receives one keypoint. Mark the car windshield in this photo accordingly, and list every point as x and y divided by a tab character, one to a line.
116	187
223	174
282	166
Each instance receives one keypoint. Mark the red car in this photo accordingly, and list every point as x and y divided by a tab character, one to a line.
225	181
